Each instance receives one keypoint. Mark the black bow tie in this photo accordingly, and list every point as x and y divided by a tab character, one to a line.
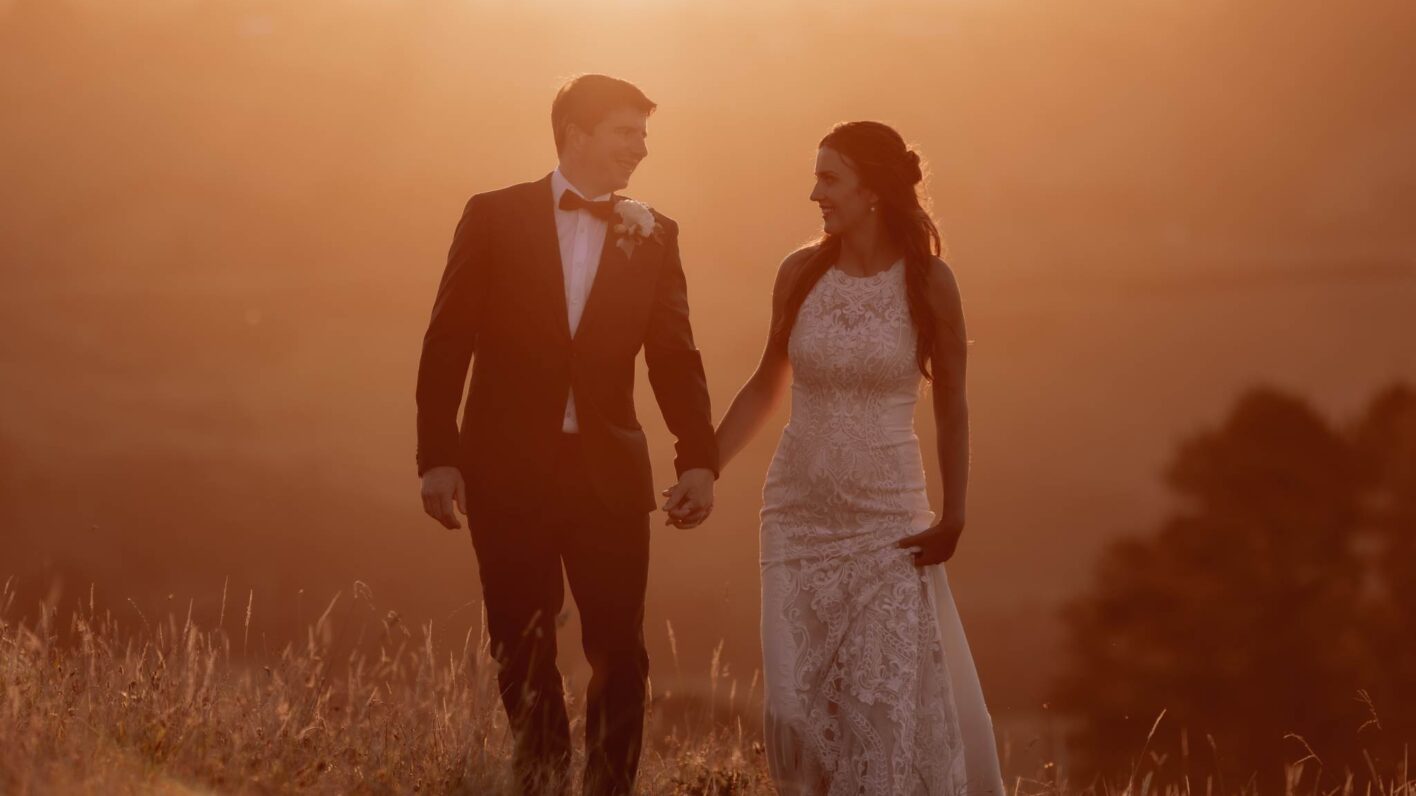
572	201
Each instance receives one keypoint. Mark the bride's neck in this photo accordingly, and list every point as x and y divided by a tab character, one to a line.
867	249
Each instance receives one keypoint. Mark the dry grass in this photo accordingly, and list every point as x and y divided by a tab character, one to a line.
88	707
170	707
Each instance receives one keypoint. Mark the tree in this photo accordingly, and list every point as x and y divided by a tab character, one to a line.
1249	617
1385	439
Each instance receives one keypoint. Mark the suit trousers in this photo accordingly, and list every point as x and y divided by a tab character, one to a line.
521	553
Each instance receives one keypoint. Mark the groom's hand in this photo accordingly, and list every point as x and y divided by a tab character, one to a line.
442	489
690	501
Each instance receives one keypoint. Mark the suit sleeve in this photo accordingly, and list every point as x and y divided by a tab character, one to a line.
676	367
451	339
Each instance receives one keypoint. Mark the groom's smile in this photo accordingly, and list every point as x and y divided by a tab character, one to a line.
603	159
629	165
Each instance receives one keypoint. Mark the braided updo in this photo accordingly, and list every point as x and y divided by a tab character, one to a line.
915	175
879	154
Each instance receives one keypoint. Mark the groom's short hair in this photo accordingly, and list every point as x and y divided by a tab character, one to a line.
585	100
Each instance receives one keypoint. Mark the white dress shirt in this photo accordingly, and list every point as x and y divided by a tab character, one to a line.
582	236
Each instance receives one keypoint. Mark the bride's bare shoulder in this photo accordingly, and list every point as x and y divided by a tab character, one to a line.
945	303
793	264
799	257
943	287
941	277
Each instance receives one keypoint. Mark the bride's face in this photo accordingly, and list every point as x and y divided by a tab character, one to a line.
844	202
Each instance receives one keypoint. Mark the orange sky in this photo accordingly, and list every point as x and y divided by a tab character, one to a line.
222	223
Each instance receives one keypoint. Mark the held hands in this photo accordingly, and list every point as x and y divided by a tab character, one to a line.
935	545
442	488
690	501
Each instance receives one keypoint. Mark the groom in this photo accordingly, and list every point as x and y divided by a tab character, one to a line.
551	289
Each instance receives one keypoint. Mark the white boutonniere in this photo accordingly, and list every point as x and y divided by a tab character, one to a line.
636	224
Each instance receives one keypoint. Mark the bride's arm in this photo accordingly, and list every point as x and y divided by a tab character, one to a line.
758	397
951	418
951	408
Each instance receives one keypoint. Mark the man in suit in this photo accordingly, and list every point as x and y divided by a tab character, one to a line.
551	290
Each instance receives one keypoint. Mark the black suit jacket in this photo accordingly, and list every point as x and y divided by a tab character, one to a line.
501	305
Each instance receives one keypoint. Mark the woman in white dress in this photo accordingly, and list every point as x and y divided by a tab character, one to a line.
870	687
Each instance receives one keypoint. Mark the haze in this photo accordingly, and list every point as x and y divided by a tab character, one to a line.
221	225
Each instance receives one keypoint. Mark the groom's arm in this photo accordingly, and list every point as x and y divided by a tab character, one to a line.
450	339
676	367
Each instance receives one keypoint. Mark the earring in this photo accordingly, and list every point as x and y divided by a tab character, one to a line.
872	208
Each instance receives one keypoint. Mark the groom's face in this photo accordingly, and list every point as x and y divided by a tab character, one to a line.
844	202
611	152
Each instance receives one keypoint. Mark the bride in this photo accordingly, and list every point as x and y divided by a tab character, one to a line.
870	686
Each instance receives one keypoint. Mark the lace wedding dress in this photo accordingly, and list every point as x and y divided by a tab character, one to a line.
870	687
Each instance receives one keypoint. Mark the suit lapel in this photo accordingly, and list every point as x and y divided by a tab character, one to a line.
544	248
613	265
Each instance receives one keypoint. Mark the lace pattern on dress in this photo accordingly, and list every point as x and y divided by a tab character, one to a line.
858	689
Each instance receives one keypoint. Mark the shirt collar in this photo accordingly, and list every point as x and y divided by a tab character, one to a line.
559	185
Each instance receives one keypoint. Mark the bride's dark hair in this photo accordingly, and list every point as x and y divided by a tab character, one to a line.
887	166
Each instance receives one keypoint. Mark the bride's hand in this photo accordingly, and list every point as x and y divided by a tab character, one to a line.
935	545
689	502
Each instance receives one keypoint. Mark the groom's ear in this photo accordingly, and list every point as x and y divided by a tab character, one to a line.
574	137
